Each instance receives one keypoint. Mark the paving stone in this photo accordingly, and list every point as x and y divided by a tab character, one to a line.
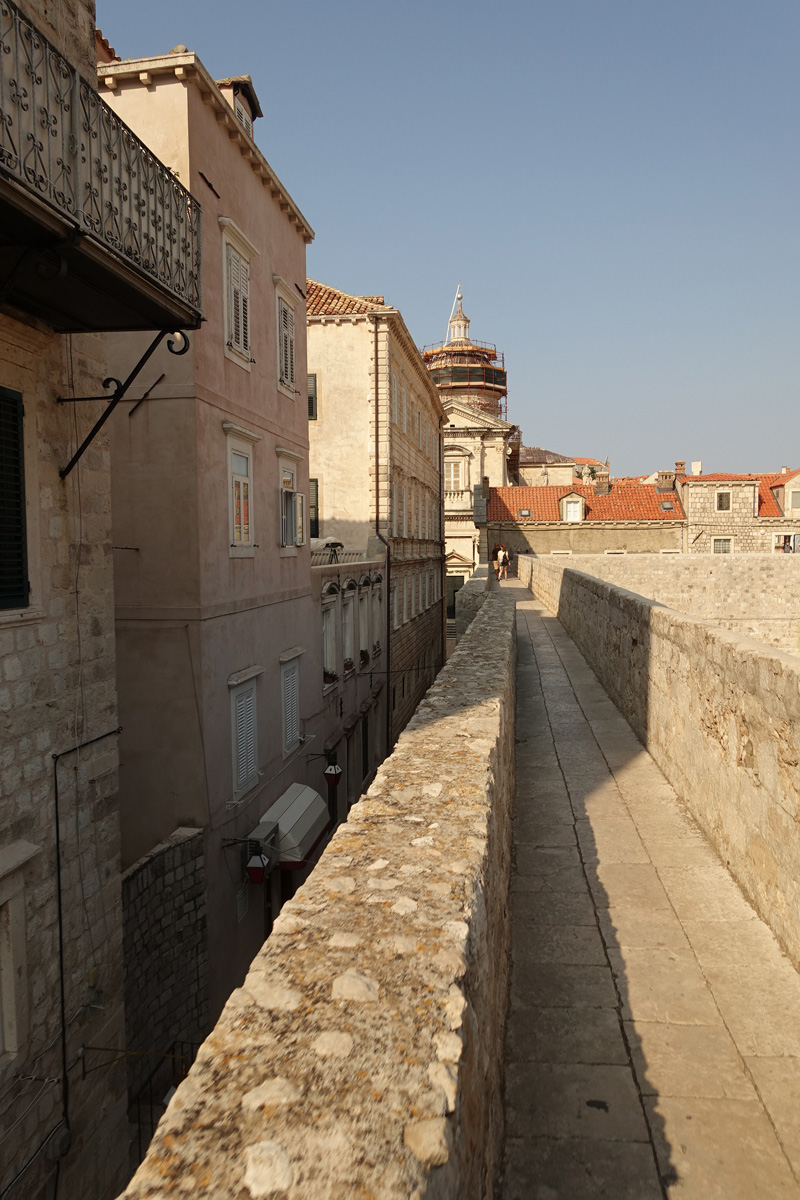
562	985
628	885
705	894
580	944
627	927
778	1083
576	1169
610	839
552	908
687	1060
719	1150
571	1035
663	984
574	1100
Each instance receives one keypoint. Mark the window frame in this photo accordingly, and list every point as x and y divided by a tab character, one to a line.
293	517
290	668
723	493
286	350
312	395
14	1010
313	508
242	689
240	441
236	242
719	541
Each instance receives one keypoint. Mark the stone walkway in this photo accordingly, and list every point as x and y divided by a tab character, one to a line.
653	1043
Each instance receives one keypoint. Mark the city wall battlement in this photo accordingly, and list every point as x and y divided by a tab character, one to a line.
363	1053
718	712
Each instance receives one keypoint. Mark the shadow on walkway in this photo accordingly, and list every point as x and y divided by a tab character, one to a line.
626	1074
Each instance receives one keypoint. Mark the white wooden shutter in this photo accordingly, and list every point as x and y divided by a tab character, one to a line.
300	513
246	766
287	343
291	705
244	273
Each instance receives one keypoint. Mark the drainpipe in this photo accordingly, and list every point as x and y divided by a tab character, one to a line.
379	535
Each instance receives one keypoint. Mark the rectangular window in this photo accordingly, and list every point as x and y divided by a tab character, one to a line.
286	343
427	589
329	643
245	738
312	397
394	399
419	430
413	582
291	510
395	615
348	639
363	628
403	523
452	475
14	589
723	503
240	476
290	696
313	508
722	545
405	412
427	518
394	508
795	500
405	599
572	510
238	302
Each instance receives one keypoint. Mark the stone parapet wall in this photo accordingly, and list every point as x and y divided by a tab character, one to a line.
719	713
363	1054
166	954
470	599
757	595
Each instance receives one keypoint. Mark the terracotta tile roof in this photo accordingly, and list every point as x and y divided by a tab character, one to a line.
535	454
767	502
588	462
324	301
624	502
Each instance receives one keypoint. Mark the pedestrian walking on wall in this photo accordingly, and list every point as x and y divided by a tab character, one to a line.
502	563
495	552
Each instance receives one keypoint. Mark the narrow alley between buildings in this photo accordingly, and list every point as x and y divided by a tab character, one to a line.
653	1041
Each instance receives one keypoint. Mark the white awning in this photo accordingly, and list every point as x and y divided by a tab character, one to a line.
302	817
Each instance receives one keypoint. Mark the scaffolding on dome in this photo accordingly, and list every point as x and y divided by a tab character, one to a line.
471	371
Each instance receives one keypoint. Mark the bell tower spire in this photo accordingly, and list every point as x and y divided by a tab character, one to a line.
458	330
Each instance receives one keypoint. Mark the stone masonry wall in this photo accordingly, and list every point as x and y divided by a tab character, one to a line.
757	595
166	954
57	691
719	714
363	1054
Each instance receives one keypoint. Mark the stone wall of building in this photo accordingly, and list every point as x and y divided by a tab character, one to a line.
166	954
363	1053
748	532
69	25
757	595
58	745
470	599
719	714
589	537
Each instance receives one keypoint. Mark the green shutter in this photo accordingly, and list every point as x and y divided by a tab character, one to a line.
14	588
313	508
312	397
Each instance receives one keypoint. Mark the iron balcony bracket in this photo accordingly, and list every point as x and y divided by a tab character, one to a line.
177	343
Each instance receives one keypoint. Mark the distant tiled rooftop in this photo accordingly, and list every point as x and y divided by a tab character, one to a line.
624	502
324	301
767	503
533	455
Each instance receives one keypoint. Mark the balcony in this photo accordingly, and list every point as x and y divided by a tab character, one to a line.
95	232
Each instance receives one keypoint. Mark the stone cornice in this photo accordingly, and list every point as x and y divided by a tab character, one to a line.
188	68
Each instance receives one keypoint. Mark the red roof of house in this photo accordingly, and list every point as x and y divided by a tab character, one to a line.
767	503
624	502
324	301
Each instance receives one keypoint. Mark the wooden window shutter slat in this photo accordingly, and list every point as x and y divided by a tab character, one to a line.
312	397
244	275
14	590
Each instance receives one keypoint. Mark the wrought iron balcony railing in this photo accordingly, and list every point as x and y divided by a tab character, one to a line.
62	143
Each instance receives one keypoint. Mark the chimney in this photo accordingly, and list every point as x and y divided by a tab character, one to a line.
784	470
666	480
680	467
697	468
602	484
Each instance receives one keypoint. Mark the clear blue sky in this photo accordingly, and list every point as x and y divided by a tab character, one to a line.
615	182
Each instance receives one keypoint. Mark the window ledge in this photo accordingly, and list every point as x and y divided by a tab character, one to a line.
242	676
287	390
236	356
238	431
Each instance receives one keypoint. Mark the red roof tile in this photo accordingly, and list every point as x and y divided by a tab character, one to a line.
624	502
324	301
